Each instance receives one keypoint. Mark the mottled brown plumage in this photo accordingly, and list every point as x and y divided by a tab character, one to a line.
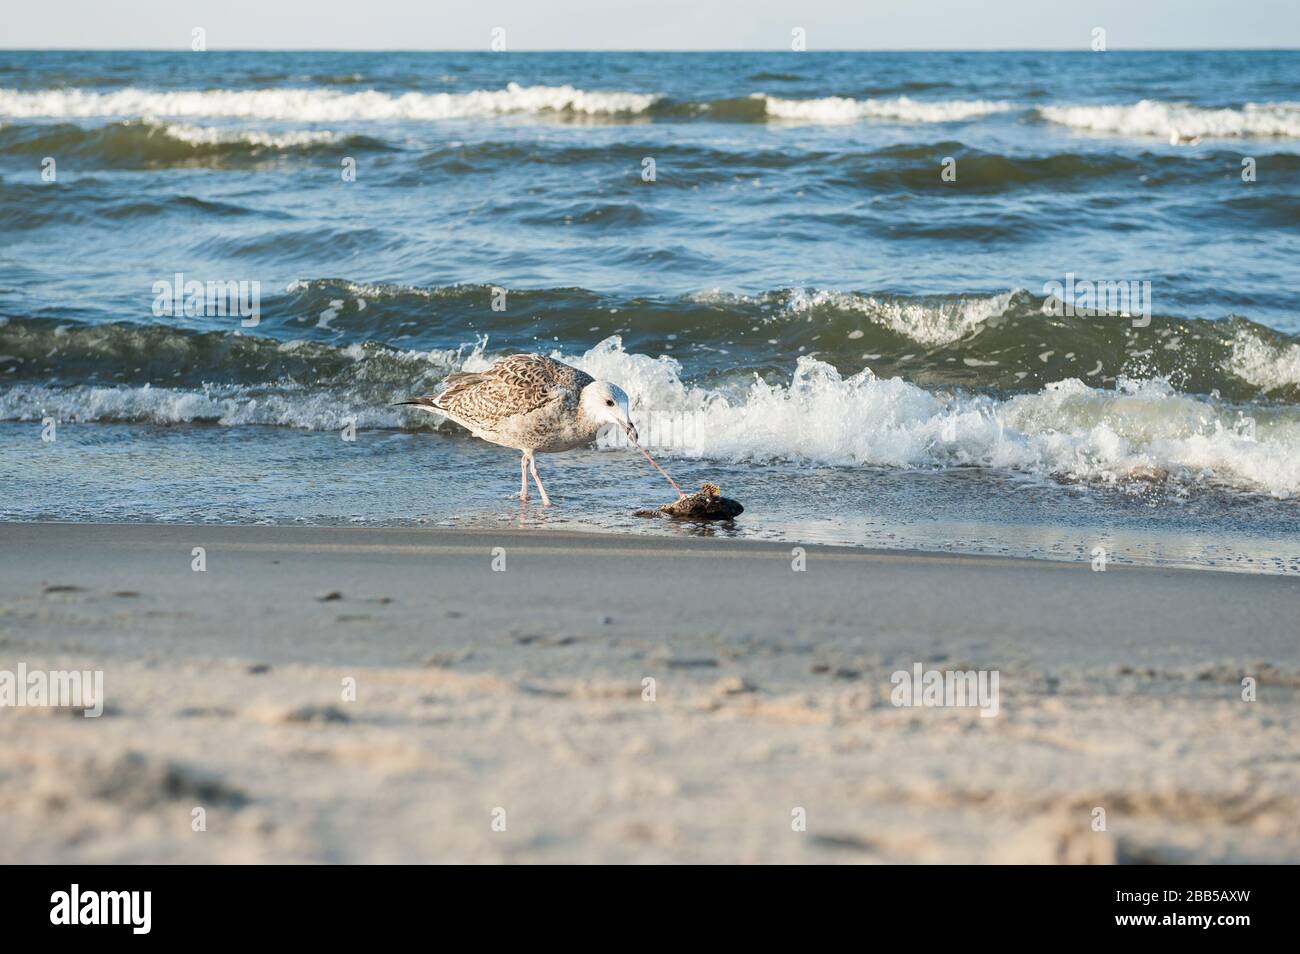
526	401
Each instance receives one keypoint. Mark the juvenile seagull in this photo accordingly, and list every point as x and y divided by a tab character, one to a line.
533	404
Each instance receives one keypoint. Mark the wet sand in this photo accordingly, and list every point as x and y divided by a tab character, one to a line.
517	699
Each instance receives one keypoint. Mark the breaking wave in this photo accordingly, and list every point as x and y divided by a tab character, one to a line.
1175	121
149	144
1178	121
332	105
1144	430
1271	367
316	105
838	109
1002	343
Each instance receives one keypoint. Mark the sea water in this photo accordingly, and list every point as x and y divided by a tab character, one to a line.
1036	304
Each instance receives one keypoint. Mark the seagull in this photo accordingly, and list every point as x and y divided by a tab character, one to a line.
534	404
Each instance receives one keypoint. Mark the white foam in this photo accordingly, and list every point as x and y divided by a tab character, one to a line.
1264	365
839	109
315	105
1067	431
213	135
281	404
1179	121
1141	430
229	405
928	323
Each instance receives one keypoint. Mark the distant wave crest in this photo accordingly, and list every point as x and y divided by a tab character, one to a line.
333	105
316	105
1176	121
839	109
145	143
1179	122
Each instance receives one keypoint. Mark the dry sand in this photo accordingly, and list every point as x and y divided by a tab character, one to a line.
479	691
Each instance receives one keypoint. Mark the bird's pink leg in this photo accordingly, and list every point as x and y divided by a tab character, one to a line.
532	467
523	477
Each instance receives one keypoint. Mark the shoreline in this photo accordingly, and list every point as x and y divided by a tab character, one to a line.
289	478
524	689
675	532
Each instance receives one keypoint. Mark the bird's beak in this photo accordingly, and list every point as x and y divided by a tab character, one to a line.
631	431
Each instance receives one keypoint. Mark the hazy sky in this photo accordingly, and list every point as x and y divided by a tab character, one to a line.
649	24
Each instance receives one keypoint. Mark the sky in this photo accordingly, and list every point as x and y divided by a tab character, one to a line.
651	24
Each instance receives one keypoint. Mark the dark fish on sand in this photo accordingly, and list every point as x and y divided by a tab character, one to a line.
707	503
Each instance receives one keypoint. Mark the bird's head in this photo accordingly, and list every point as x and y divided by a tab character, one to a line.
606	403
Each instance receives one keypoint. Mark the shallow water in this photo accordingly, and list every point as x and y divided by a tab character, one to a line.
800	305
110	472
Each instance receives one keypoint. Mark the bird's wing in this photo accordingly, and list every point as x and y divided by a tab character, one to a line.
515	385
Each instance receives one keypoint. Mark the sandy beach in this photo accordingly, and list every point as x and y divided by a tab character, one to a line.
371	695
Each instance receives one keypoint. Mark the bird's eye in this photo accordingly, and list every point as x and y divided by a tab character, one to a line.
610	403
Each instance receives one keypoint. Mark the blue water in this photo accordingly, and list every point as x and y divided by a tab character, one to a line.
798	295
